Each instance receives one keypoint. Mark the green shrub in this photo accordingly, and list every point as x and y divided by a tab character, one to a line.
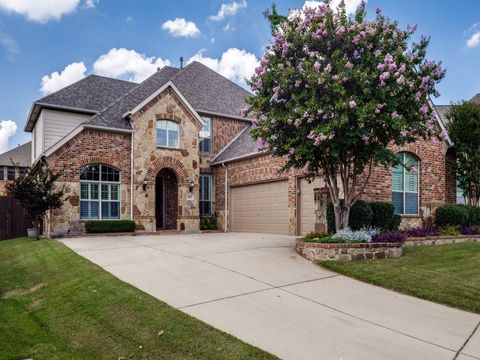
473	215
109	226
382	215
360	216
397	220
208	223
455	215
449	230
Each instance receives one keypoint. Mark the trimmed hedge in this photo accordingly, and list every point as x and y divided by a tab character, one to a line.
109	226
383	216
208	223
360	216
452	215
473	215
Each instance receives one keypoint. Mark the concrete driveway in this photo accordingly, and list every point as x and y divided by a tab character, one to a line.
255	287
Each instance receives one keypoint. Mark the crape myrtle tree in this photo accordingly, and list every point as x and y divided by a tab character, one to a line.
332	92
35	192
464	129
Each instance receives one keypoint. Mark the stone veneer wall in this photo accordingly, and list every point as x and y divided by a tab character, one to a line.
149	159
88	147
360	251
441	240
436	187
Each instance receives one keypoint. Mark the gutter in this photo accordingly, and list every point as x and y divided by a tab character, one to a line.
226	197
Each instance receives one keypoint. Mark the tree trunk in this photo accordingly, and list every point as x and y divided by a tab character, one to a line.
342	214
37	228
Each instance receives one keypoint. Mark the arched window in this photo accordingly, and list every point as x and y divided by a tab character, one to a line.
99	192
168	133
405	185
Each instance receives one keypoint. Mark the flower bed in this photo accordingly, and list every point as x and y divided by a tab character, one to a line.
317	251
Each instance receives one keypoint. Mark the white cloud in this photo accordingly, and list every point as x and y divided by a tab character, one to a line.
228	27
474	40
9	43
91	3
234	64
181	27
56	80
228	10
39	10
127	64
8	128
350	5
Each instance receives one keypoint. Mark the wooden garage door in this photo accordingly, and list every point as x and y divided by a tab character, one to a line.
306	215
261	208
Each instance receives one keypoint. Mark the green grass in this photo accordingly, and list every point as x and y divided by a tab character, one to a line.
56	305
448	274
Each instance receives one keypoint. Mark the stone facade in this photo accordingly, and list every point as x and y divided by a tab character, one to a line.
150	159
441	240
348	252
88	147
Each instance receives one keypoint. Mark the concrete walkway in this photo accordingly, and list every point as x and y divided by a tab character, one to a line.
256	287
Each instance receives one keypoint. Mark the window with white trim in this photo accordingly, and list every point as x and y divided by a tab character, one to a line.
405	185
99	192
205	145
168	133
205	195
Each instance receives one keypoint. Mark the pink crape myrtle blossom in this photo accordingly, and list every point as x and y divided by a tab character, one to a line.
335	113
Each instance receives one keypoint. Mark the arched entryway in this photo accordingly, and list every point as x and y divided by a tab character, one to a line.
166	199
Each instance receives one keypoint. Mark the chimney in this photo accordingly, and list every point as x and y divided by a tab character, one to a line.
158	69
181	62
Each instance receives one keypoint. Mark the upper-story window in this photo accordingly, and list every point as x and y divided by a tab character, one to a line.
168	133
405	185
10	173
206	136
99	192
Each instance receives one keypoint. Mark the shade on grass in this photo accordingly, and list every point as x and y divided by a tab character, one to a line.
448	274
56	305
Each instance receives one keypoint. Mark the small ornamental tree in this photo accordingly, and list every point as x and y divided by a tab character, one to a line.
35	193
332	92
464	129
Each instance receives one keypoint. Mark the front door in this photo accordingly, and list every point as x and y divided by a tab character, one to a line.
159	203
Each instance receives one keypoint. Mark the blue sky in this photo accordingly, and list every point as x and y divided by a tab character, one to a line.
128	39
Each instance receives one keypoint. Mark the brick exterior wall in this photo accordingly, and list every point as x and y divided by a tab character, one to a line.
436	181
88	147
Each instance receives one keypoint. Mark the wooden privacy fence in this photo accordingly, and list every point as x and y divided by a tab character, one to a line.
14	220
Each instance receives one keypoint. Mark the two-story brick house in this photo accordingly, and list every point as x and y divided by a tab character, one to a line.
174	147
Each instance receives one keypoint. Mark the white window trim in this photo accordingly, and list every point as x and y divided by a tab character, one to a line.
206	137
210	188
99	200
168	141
410	192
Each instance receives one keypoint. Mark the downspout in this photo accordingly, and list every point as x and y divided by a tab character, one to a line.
226	197
131	174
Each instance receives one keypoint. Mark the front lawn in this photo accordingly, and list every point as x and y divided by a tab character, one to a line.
448	274
56	305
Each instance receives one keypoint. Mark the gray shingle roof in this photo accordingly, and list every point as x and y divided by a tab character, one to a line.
93	93
21	156
112	115
206	90
243	145
476	98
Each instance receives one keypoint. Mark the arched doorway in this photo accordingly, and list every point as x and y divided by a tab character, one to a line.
166	199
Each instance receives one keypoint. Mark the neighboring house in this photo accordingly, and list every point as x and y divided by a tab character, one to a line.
174	147
13	164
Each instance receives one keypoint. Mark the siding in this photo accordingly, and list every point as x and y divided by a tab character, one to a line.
38	137
57	124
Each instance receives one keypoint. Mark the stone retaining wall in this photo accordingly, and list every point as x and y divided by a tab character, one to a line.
357	251
441	240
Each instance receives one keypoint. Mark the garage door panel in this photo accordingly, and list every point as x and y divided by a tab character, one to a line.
260	208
